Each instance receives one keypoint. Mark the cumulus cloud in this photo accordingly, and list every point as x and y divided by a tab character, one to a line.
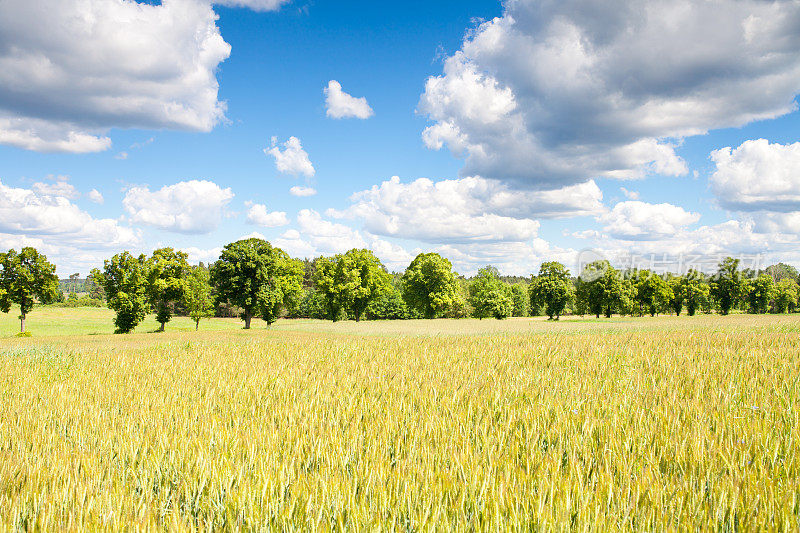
553	93
642	221
95	196
195	206
257	214
302	191
758	175
339	104
465	210
292	159
70	71
71	237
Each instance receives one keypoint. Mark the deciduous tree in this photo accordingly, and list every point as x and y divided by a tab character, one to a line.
429	285
552	289
124	279
197	295
489	296
167	271
258	278
727	286
350	282
25	277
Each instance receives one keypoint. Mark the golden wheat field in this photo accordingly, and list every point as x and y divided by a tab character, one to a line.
621	424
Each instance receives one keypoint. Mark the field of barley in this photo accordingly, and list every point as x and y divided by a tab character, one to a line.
686	423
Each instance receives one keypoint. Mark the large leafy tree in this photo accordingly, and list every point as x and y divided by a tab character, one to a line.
167	271
197	295
25	277
759	292
786	292
728	285
600	289
350	281
552	289
519	294
259	279
695	291
429	285
124	279
653	293
490	296
678	296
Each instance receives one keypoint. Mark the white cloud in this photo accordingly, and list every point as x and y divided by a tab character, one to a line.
302	191
258	215
70	71
207	256
465	210
630	195
185	207
758	176
339	104
554	93
292	159
255	5
71	238
57	186
642	221
95	196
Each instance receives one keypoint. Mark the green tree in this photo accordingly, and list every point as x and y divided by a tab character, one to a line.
389	305
782	271
552	289
167	271
728	285
600	289
350	282
429	285
786	293
653	293
197	295
678	297
519	294
760	292
259	279
695	291
489	296
25	277
124	279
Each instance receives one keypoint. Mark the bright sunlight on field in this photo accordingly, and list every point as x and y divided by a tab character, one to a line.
633	424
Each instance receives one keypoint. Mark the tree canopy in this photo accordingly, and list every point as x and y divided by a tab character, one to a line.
124	278
489	296
552	289
429	285
25	277
167	271
259	279
350	281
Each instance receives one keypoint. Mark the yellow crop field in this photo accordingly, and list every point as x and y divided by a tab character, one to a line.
658	424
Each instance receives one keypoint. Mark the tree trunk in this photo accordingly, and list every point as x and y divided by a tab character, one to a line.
247	318
161	329
196	325
22	323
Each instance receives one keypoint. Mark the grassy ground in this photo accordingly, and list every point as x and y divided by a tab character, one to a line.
632	424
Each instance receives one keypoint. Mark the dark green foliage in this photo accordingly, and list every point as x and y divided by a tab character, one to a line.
389	305
124	279
489	296
786	293
728	286
653	293
695	291
25	277
258	278
552	289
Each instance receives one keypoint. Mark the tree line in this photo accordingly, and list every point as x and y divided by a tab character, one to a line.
253	279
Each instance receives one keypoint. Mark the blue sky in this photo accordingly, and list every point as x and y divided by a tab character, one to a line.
518	133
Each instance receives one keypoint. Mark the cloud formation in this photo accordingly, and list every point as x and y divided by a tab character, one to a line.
195	206
465	210
258	215
302	192
339	104
555	93
292	159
